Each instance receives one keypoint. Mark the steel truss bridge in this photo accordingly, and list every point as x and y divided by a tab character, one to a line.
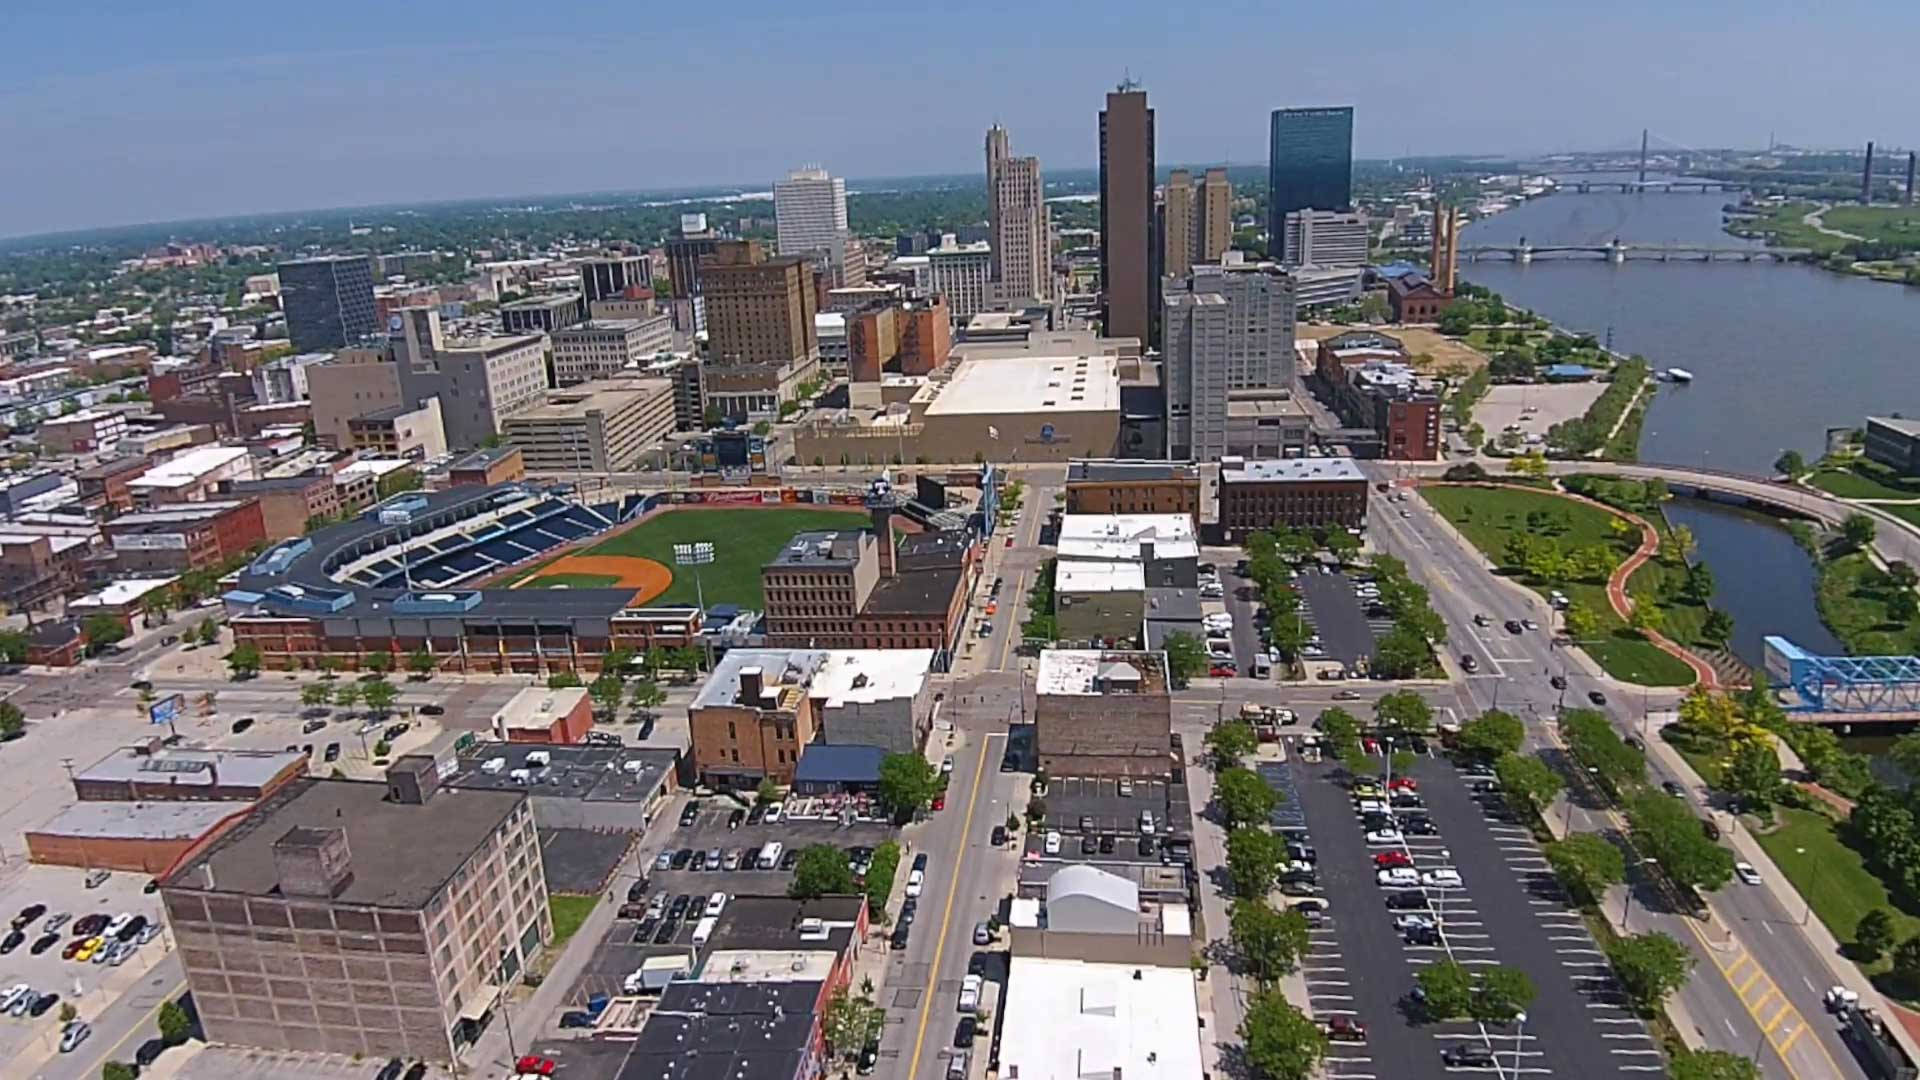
1850	687
1617	252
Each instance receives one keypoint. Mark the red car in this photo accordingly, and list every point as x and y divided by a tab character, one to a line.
1220	672
1009	541
1370	745
940	801
533	1066
1346	1029
1403	783
1388	859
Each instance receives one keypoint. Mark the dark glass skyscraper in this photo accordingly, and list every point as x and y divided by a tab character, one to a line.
1309	166
328	301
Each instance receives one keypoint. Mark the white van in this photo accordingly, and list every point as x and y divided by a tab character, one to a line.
970	988
716	903
493	765
770	855
915	880
704	930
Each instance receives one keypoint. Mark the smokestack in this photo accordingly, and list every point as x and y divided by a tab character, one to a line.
883	533
1911	155
1866	178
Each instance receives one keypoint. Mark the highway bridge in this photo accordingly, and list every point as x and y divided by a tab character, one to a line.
1615	251
1645	187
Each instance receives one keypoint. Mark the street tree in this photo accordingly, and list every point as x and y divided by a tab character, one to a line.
1253	859
244	660
767	793
1343	544
420	663
1650	967
1243	797
1753	774
1269	942
13	722
1280	1041
1404	712
1339	725
1666	830
646	694
101	631
176	1026
1186	657
14	645
314	694
379	663
1527	780
606	692
1790	464
1583	623
563	680
1586	865
1446	989
1685	1064
329	665
118	1070
1858	530
347	695
1590	735
380	696
1231	740
908	782
1400	653
852	1022
1500	993
1491	734
1873	935
821	871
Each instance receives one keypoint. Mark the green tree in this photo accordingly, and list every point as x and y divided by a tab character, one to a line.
1400	653
1243	797
767	793
1647	618
1790	464
1343	544
821	871
379	663
1902	574
1698	586
1280	1041
1253	860
880	870
852	1022
13	722
1527	780
1685	1064
1338	725
606	691
1753	773
1586	865
1231	740
1491	734
101	631
420	662
1590	735
380	696
382	748
1717	630
1858	530
1583	623
314	694
175	1025
1404	712
13	646
1667	831
1649	967
1446	989
1873	935
244	660
646	694
562	680
1457	320
329	665
1500	993
1186	657
1270	942
347	695
118	1070
908	782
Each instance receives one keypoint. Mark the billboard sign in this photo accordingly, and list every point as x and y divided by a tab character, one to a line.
167	709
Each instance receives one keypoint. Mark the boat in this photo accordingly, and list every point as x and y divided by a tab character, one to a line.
1679	374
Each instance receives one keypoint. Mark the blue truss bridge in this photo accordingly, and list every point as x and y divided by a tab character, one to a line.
1851	688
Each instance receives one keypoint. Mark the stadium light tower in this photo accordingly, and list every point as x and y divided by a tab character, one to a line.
695	555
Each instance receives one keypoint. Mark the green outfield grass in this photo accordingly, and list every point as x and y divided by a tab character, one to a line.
744	540
573	581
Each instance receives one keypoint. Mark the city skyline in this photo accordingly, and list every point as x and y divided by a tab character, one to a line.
143	118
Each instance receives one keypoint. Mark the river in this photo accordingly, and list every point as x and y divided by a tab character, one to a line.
1761	577
1779	353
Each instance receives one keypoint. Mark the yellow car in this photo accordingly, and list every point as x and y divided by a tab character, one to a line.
93	945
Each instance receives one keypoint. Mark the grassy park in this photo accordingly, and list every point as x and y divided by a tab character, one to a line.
1864	480
569	912
1491	517
1831	876
1853	600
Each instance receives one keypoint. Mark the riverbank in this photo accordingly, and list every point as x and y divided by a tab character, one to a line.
1873	242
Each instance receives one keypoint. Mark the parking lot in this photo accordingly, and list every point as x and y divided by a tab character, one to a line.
87	985
1332	611
1505	909
1092	808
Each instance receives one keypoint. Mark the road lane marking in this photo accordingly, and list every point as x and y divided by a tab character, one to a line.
953	890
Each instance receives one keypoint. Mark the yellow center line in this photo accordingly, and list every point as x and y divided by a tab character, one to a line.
1786	1009
1772	991
1751	979
946	917
1791	1036
1729	969
1013	622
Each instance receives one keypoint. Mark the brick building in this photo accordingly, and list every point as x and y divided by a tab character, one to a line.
193	536
150	772
1296	493
753	717
1103	712
287	503
104	487
487	467
1111	486
862	589
540	715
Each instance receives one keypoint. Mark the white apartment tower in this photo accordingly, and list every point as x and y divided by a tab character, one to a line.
963	273
1017	216
1336	239
1227	328
810	213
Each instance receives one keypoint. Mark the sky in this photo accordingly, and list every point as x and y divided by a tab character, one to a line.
127	111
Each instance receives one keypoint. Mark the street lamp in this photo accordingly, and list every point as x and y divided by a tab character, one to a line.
1627	907
1519	1032
1808	913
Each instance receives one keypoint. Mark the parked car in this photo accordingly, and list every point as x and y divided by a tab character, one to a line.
73	1035
1467	1055
242	724
1596	697
1444	878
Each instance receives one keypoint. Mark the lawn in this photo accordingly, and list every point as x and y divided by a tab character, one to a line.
1490	516
1831	876
1851	597
1909	514
744	541
1864	480
568	913
574	581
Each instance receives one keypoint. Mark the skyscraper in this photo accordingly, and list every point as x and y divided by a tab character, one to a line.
1127	280
1176	225
609	276
328	301
1213	217
1227	328
1309	166
810	214
1022	263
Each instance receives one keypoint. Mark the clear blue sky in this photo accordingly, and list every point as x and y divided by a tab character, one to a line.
117	111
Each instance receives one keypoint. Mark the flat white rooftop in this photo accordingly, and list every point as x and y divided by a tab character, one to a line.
1118	536
1030	384
122	593
188	467
1074	671
1074	576
538	707
1291	470
1069	1020
768	965
378	467
870	675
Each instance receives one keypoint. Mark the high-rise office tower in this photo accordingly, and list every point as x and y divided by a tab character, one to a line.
1177	225
1128	284
810	214
1226	328
1335	239
1213	217
1309	166
609	276
762	343
328	301
1022	263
